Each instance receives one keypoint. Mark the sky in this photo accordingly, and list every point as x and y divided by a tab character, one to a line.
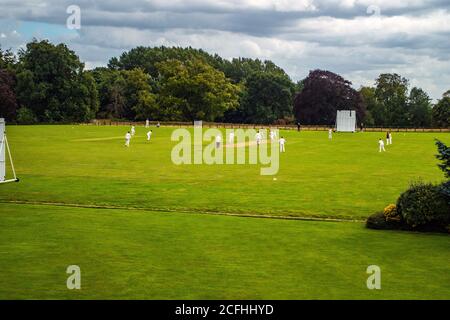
359	39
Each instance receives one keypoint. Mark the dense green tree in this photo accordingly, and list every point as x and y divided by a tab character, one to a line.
267	98
125	94
441	112
267	91
110	86
7	59
239	69
324	93
147	58
375	112
140	101
52	84
194	90
392	93
419	108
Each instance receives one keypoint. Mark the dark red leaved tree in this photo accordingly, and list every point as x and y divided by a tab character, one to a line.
8	101
324	93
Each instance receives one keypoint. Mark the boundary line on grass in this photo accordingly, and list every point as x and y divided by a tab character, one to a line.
230	214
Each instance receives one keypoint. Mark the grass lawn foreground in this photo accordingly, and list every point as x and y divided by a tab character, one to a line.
168	249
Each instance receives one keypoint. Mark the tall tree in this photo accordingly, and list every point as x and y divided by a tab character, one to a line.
110	85
140	101
419	108
8	101
375	114
240	69
324	93
7	59
194	90
267	98
147	58
51	83
441	112
391	92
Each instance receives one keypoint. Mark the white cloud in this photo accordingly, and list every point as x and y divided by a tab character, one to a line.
410	37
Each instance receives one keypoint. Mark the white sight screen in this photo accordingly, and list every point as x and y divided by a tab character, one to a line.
346	121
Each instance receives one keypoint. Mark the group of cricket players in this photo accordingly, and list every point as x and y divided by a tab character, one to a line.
258	138
132	132
388	141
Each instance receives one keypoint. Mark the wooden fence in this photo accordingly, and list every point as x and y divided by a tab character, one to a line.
106	122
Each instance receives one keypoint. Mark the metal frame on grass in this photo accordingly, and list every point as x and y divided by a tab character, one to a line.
4	144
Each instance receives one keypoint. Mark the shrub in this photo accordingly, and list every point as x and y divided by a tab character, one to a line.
424	205
445	190
444	157
378	221
25	116
391	214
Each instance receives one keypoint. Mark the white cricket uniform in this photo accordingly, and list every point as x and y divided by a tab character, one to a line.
147	123
231	137
390	138
133	130
218	141
282	143
149	135
273	135
127	139
330	134
258	138
381	143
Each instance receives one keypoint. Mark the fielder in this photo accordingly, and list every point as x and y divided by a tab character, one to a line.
330	134
127	139
258	137
149	135
231	138
273	135
282	143
147	123
381	144
218	141
133	130
387	138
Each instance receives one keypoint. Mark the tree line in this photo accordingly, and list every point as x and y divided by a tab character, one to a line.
48	83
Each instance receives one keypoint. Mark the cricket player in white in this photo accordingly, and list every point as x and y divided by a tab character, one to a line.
258	137
381	143
133	130
127	139
149	135
273	135
147	123
390	137
282	143
231	138
330	134
218	141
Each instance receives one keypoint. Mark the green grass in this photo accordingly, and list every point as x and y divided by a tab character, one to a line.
147	255
153	254
346	177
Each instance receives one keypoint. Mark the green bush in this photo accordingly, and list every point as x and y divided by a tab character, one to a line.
424	205
445	189
378	221
391	213
26	116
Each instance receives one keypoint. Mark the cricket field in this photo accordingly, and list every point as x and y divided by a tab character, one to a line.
141	227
